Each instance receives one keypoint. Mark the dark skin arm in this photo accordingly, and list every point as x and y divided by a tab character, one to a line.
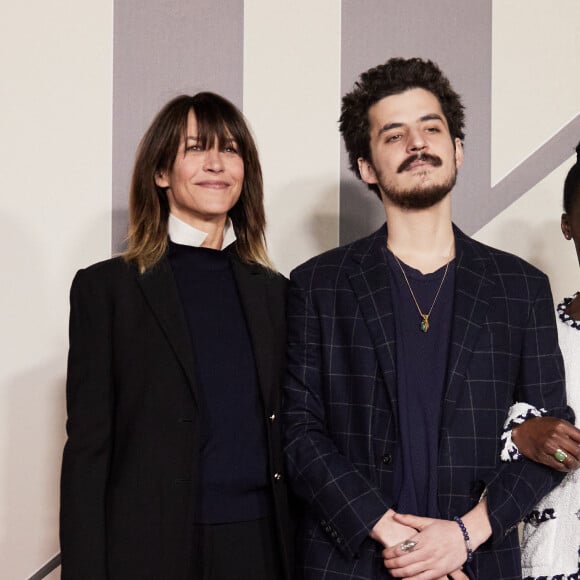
539	438
573	309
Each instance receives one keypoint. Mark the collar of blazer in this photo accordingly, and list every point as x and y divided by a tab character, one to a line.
262	299
473	293
160	291
262	295
370	282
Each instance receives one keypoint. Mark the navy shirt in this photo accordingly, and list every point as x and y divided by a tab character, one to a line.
234	481
421	373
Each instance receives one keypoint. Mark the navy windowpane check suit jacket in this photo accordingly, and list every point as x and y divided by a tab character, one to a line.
341	431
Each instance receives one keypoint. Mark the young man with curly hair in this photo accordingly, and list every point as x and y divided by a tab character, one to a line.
406	349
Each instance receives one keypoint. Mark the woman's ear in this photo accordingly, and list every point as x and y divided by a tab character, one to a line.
565	225
161	179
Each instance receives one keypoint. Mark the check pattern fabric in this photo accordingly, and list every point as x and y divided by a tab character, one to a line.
340	410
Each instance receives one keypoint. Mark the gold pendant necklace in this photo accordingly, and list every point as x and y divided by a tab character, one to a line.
424	326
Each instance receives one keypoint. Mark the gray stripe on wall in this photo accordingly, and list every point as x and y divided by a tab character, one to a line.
537	166
49	567
162	49
455	35
458	37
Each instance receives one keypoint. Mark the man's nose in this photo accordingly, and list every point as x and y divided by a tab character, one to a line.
416	141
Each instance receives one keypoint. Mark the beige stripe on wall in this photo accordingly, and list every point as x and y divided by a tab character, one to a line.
291	98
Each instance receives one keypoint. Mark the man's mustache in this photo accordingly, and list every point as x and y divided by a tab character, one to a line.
431	159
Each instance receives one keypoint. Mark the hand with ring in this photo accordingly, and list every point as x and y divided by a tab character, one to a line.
549	440
408	545
436	551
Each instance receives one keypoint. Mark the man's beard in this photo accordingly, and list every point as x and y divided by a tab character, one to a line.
420	197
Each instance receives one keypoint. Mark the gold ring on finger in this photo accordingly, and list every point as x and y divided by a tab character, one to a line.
560	455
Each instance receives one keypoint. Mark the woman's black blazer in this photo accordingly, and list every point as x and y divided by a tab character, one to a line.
129	464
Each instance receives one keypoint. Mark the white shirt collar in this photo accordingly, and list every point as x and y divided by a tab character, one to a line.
182	233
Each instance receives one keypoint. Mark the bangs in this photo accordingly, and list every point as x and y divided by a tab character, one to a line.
215	122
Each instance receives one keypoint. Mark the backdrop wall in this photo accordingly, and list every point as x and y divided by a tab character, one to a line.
82	80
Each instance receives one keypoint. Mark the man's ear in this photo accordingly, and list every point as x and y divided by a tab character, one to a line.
161	179
565	225
458	152
367	171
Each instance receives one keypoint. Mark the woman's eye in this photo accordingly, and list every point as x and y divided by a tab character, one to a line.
193	148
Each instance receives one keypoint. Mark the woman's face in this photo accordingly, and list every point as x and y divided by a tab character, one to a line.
571	224
203	184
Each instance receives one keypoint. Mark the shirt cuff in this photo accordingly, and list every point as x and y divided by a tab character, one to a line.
517	414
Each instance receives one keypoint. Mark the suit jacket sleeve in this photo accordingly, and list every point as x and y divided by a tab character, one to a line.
516	487
346	502
86	456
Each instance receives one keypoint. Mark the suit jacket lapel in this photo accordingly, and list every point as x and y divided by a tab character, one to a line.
371	284
252	283
161	293
471	301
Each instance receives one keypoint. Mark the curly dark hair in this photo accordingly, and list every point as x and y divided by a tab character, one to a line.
572	184
396	76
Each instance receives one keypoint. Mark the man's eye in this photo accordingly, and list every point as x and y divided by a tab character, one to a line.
393	138
432	129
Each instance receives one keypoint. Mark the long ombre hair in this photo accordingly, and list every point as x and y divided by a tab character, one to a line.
217	119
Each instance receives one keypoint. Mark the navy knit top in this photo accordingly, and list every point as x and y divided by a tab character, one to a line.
421	373
233	484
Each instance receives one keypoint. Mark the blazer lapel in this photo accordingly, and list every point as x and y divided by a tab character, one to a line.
252	283
371	284
161	293
471	301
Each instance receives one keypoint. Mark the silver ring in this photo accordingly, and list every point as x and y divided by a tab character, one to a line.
408	545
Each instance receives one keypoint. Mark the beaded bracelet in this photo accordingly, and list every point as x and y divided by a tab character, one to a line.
465	538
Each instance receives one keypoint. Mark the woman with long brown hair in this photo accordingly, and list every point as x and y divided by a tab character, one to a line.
172	467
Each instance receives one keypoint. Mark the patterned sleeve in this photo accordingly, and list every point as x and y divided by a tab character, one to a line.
345	502
517	414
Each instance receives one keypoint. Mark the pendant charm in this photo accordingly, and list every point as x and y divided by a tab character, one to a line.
424	323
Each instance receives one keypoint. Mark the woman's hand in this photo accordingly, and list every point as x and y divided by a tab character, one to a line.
540	438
